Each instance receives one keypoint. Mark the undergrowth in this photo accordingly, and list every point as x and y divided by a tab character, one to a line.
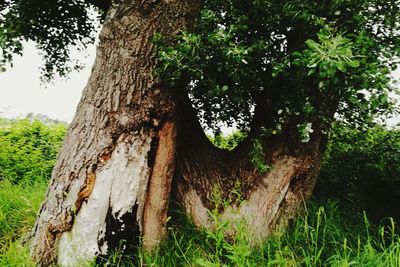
19	204
326	233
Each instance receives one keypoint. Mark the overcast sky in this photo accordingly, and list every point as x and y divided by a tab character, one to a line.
21	91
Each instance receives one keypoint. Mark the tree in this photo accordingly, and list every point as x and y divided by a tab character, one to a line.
282	71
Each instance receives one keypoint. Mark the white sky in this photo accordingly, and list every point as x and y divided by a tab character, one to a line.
21	91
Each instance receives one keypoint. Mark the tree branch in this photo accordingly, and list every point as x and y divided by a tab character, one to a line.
103	5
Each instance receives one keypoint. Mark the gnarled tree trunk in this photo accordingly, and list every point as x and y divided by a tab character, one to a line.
112	178
264	201
132	138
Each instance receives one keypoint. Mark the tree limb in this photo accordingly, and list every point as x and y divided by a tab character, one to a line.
103	5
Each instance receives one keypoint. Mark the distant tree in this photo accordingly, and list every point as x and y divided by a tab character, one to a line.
279	70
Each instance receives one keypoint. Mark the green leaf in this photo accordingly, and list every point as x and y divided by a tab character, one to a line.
311	44
341	66
353	63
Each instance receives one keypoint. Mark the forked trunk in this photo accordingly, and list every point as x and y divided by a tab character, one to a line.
112	178
262	201
131	137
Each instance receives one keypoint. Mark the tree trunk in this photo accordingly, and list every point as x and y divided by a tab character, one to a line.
132	138
261	201
112	178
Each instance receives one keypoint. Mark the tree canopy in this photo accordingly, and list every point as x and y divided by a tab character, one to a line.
55	27
286	58
295	58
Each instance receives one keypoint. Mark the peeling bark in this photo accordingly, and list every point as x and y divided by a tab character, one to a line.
156	203
131	138
116	191
102	174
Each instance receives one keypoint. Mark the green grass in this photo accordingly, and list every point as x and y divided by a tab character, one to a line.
325	235
19	205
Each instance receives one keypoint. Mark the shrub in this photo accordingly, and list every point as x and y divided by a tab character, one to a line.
363	167
229	141
28	148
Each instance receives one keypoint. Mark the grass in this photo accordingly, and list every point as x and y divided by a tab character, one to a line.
327	234
323	236
19	204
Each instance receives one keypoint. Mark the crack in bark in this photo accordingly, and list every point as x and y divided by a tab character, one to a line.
86	190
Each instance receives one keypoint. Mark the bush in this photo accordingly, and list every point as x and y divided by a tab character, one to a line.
228	142
29	148
363	167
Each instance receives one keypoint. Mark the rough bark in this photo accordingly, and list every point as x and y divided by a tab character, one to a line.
131	137
266	201
120	146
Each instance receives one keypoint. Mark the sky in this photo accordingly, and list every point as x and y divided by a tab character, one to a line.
21	91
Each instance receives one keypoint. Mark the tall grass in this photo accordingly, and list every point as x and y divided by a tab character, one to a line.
19	205
322	236
325	234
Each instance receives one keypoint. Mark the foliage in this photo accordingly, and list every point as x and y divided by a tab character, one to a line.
28	149
257	157
301	59
55	26
363	166
229	141
370	155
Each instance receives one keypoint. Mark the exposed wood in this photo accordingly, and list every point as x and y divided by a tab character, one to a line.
86	191
99	183
156	203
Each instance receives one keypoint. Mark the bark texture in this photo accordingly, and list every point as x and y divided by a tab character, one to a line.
156	203
120	146
131	138
261	201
